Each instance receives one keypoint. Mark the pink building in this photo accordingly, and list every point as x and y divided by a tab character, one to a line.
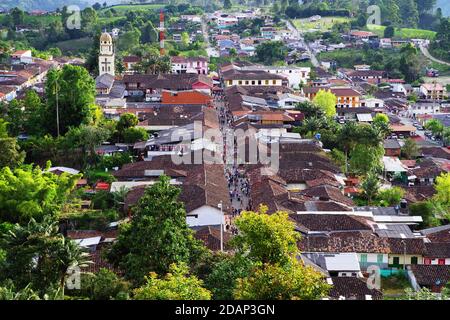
198	65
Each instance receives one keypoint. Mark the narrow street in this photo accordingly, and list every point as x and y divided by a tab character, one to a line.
298	35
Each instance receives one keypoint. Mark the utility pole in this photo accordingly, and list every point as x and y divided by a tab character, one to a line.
221	225
57	106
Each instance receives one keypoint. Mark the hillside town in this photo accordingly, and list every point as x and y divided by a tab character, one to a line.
235	145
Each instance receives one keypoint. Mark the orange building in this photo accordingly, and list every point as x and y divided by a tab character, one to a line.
345	97
185	97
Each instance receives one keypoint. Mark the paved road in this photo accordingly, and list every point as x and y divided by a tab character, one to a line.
299	36
427	54
212	52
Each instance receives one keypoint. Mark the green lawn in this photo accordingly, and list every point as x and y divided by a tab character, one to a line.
324	24
404	33
72	47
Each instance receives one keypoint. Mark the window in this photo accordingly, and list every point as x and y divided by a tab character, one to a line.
396	261
363	257
274	81
441	262
379	258
414	260
240	82
267	82
253	82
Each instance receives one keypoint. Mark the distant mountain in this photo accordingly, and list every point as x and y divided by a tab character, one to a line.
51	5
445	6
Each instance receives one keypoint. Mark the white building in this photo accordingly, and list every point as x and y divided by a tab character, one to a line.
372	103
106	58
289	101
22	56
423	108
295	75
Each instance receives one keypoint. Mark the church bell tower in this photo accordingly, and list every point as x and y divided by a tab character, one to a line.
106	57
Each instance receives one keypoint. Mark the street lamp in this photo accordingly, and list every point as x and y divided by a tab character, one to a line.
220	205
404	254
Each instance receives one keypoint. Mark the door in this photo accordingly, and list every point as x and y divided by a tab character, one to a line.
441	262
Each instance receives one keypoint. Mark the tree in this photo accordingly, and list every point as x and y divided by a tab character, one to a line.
39	255
435	126
370	187
227	4
410	149
129	40
176	285
364	159
28	192
126	120
223	278
157	236
72	89
18	16
87	138
327	101
423	294
446	136
133	135
104	285
391	196
276	282
442	186
34	111
410	63
266	238
271	52
185	39
389	32
426	210
310	110
11	156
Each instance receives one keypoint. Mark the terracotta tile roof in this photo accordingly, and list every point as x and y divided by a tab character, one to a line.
430	275
183	81
185	97
210	235
436	152
413	246
131	59
203	184
438	234
352	288
359	242
250	75
331	222
437	250
419	193
327	193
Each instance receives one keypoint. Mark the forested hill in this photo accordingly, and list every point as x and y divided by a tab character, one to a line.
50	5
